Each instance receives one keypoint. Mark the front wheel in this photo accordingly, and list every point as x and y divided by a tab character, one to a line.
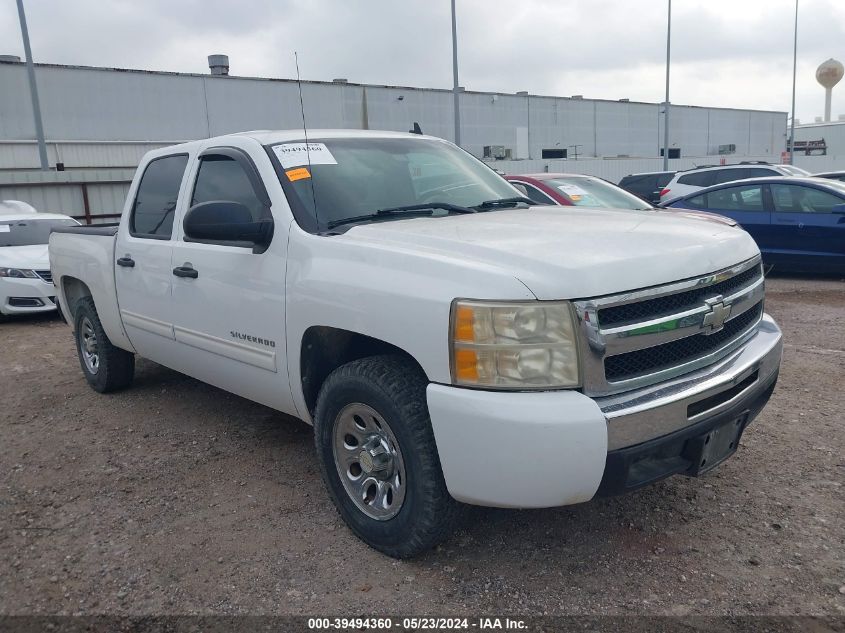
106	367
378	457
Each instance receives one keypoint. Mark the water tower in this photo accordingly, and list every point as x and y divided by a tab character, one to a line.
828	74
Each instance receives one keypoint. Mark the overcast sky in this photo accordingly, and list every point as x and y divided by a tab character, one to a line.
734	53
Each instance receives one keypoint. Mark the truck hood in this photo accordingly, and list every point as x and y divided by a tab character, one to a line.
33	257
568	252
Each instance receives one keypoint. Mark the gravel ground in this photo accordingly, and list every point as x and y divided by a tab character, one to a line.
176	497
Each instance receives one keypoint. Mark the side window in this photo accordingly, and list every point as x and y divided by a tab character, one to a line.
222	178
795	199
727	175
698	201
537	196
155	201
761	172
639	184
663	180
699	179
744	198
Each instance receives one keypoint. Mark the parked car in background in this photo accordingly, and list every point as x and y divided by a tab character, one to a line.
798	223
831	175
647	185
26	284
576	190
692	180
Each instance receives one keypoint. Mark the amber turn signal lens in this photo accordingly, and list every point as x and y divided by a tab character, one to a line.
464	324
466	365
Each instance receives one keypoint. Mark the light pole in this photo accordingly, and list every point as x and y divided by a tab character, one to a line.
794	72
455	92
666	103
33	90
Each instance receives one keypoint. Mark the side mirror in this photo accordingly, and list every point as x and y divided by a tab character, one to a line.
838	208
228	223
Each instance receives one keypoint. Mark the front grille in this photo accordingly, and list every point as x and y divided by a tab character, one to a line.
653	359
46	275
651	308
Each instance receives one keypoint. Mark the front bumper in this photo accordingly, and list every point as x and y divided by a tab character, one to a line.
544	449
26	296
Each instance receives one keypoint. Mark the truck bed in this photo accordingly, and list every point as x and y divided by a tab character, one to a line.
82	262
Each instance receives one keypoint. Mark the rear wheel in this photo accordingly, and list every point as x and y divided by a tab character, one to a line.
106	367
378	457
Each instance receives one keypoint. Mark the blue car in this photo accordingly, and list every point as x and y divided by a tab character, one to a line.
798	223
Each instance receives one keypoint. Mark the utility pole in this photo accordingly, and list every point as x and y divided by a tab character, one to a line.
33	90
794	72
455	92
666	103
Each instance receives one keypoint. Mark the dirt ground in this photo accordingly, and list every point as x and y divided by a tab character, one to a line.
176	497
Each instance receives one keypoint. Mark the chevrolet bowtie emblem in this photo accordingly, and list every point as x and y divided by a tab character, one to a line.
714	319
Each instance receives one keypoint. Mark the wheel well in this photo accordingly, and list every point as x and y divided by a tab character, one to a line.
324	349
74	290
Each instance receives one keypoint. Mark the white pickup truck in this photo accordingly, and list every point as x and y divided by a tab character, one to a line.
449	343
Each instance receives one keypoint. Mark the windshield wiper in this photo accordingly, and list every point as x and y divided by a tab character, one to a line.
426	208
504	202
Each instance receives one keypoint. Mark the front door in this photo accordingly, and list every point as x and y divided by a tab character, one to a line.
143	252
809	235
745	204
229	311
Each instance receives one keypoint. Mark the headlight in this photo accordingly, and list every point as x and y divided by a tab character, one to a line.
526	345
17	273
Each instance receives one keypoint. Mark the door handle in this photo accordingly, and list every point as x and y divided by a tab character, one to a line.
126	262
186	271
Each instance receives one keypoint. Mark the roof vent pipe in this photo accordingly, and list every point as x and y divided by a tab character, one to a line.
218	64
340	80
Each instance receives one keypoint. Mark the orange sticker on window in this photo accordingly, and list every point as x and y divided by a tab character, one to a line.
298	174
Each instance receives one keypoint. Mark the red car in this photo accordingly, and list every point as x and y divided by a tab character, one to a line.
576	190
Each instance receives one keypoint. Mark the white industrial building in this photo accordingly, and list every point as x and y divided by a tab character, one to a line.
82	104
98	122
821	139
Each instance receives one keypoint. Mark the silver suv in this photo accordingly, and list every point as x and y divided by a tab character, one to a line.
691	180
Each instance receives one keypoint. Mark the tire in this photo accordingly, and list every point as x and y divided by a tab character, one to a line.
106	367
383	391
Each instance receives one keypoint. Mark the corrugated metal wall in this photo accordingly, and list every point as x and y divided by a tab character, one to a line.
85	194
93	104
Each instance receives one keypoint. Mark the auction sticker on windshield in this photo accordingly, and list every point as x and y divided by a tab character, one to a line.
4	228
298	154
572	190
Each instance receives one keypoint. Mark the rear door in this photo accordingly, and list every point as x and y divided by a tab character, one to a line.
229	319
143	251
746	205
808	234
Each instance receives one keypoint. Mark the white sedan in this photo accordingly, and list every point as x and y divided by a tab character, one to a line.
26	285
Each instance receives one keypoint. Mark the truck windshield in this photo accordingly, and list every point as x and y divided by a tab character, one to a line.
351	177
28	232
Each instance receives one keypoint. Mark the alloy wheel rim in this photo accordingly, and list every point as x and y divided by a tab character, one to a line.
368	461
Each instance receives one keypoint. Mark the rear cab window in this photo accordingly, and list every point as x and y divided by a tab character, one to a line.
155	201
